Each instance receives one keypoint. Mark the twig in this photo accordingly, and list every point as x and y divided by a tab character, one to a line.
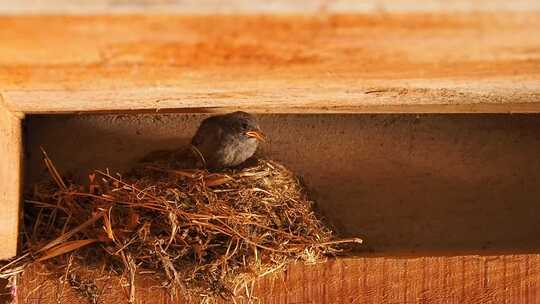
52	170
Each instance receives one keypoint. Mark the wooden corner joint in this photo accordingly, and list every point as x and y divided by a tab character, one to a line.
6	110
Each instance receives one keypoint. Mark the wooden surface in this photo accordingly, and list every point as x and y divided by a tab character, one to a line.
415	62
460	279
10	181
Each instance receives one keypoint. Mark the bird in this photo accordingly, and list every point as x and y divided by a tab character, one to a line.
220	142
228	140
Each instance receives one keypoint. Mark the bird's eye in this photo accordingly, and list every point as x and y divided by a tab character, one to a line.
245	126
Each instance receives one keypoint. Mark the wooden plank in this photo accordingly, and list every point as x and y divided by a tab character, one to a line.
10	181
415	62
459	279
40	102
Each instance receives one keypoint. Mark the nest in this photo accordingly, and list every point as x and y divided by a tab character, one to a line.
201	234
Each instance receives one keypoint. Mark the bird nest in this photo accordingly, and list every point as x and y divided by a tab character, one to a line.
201	234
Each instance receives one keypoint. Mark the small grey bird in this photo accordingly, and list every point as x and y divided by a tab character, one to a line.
228	140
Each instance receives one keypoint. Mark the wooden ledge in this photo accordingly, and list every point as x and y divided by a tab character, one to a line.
459	279
97	102
430	62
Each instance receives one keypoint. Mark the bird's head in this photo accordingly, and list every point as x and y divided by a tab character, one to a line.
246	124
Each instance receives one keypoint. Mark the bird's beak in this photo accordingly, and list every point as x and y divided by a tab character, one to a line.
257	134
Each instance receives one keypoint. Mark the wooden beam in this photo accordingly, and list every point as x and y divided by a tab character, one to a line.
312	101
10	181
417	62
458	279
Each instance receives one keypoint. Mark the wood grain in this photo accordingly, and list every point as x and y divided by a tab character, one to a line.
415	62
458	279
10	181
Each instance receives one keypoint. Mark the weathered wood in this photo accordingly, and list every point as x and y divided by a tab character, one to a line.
459	279
437	62
10	181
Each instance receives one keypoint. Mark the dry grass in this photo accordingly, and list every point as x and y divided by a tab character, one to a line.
203	235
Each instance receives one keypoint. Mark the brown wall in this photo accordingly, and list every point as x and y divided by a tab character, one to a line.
423	185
